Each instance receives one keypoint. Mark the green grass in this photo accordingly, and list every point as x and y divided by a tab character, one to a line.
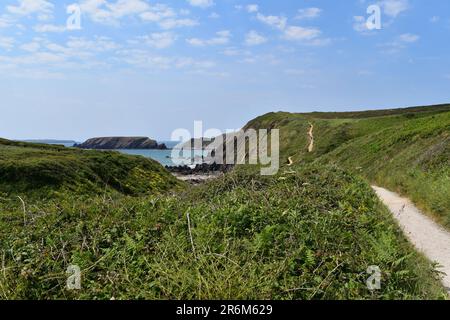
307	233
46	171
412	158
406	150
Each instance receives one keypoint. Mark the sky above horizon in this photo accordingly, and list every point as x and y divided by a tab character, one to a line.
146	68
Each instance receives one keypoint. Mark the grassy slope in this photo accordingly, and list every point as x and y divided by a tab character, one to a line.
406	150
411	157
45	171
307	233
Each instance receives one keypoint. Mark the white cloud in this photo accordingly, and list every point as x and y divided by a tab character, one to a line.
252	8
253	38
177	23
99	44
195	42
400	43
278	22
47	57
158	13
42	58
57	48
393	8
190	62
6	43
233	52
103	11
296	33
144	59
319	42
45	28
360	25
308	13
5	22
307	35
262	59
214	15
184	12
28	7
409	38
224	33
221	38
37	58
166	17
201	3
159	40
13	70
123	8
31	46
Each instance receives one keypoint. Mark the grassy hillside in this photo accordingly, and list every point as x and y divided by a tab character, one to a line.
44	171
307	233
412	158
406	150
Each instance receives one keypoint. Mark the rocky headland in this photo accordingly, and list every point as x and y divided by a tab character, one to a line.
111	143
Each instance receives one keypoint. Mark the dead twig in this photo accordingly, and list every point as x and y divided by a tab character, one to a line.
190	234
24	207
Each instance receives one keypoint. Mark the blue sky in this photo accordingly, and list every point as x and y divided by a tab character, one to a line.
141	67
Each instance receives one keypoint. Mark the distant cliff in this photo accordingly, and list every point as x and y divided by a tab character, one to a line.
109	143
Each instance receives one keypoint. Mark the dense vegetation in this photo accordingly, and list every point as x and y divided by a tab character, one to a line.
309	232
46	171
405	150
412	158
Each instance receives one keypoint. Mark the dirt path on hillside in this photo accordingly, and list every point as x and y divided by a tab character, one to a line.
426	235
311	138
310	146
291	162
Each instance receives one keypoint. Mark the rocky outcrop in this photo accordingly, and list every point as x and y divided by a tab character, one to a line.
204	168
110	143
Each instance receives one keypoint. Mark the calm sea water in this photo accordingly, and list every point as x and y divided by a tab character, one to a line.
162	156
165	156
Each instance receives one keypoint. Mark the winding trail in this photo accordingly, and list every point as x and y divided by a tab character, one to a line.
310	146
291	162
425	234
311	138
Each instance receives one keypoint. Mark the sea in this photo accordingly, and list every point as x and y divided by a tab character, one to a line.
164	157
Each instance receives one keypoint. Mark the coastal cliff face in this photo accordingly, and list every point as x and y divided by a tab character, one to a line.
110	143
